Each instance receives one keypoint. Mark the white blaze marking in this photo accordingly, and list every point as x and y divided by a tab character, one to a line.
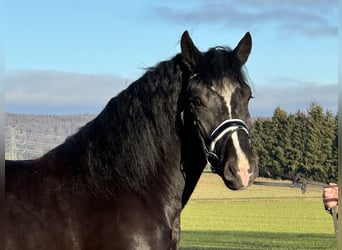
242	161
227	96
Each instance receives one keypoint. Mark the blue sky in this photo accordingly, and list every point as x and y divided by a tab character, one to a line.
72	56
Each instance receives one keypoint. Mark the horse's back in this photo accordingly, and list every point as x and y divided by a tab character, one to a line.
13	167
17	173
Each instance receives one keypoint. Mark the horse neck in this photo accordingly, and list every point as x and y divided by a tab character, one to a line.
133	142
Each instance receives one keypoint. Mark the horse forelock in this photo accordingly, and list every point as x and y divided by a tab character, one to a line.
221	62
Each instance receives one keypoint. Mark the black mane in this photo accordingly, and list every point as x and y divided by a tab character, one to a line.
141	120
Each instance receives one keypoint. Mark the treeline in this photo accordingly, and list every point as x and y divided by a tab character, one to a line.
303	143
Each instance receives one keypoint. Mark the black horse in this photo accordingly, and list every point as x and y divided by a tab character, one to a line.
122	180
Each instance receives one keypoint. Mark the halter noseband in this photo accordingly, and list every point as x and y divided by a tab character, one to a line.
227	127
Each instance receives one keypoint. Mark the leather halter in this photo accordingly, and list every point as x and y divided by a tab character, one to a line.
226	128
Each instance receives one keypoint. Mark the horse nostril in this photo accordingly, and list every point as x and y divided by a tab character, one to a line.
231	171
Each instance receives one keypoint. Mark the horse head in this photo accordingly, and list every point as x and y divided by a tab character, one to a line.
216	106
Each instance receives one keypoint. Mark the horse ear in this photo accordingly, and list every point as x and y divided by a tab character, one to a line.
243	49
191	55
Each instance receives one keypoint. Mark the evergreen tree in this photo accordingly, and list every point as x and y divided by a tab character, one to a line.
313	151
303	143
331	147
261	143
298	140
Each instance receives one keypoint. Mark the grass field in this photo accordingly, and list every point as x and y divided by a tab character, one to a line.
260	217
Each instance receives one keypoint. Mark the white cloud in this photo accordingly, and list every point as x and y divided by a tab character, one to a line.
292	97
306	17
38	89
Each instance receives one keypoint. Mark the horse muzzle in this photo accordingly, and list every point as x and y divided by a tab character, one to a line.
237	171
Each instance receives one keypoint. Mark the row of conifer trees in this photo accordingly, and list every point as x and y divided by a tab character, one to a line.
302	143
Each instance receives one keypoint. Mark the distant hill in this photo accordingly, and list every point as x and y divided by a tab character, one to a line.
30	136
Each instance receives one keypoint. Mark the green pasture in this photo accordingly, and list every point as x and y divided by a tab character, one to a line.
260	217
